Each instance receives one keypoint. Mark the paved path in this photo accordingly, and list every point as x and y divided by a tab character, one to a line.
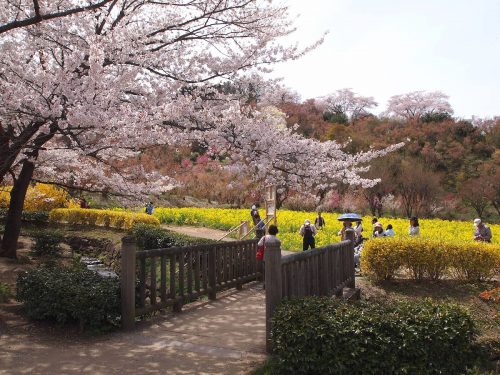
226	336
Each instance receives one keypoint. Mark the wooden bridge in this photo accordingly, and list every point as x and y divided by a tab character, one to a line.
224	333
153	280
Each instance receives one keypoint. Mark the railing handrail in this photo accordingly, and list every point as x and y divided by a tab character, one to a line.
232	230
177	249
255	226
290	258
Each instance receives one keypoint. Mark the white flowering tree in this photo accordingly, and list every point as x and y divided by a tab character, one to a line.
416	104
348	103
82	94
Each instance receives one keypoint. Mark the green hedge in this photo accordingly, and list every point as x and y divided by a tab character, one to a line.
69	294
30	216
152	237
323	336
47	243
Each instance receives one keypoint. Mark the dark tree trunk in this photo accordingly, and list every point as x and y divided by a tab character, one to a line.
13	220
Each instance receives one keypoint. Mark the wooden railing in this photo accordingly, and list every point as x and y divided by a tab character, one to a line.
318	272
153	280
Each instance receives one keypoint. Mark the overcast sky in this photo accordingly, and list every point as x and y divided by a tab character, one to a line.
386	47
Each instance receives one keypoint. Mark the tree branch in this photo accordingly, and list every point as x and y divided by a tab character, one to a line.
38	17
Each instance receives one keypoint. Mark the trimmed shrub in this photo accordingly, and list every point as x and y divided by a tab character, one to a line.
31	216
40	197
69	294
106	218
478	261
325	336
382	258
151	237
47	243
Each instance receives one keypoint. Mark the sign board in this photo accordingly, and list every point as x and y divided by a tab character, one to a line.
271	204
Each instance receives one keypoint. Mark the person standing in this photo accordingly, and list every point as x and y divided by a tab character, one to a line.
308	231
414	227
482	232
255	215
149	208
273	231
358	228
261	247
260	229
347	226
319	223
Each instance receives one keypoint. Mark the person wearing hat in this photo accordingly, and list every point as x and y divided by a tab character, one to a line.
482	232
308	231
378	230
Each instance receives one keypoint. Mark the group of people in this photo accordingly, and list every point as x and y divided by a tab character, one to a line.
378	228
308	231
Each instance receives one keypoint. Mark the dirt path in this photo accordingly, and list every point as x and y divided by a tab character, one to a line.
199	232
226	336
208	233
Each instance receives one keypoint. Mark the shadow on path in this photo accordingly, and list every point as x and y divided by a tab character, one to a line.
226	336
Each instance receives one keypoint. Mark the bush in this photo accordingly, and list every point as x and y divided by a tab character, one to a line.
40	197
106	218
325	336
478	261
5	293
151	237
430	259
31	216
69	294
47	243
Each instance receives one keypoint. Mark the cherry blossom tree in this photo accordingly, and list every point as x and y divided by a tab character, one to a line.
348	103
20	13
416	104
83	95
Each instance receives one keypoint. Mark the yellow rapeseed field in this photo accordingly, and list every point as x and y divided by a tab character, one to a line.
289	223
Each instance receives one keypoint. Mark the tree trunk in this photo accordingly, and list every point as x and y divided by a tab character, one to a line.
13	220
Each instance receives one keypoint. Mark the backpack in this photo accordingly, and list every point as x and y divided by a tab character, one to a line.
308	231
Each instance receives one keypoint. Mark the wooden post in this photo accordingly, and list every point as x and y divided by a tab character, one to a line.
351	236
244	228
212	273
272	258
128	282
